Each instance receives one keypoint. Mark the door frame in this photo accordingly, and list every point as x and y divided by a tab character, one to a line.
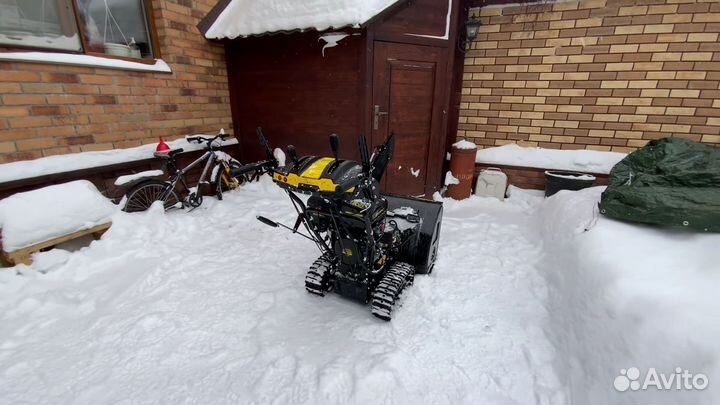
438	135
437	115
452	59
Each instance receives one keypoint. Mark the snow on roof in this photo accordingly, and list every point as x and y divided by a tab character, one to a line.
255	17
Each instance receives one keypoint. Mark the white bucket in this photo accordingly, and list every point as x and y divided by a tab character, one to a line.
491	182
135	53
117	50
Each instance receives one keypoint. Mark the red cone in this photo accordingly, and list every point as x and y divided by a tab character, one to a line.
162	147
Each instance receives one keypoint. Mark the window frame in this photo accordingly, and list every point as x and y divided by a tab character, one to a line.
152	29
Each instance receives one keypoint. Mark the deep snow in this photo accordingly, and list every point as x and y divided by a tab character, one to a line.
39	215
524	307
209	307
625	295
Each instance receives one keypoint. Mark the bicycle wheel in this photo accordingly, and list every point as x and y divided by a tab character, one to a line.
142	196
223	180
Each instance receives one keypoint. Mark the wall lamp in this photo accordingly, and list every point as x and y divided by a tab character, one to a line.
472	26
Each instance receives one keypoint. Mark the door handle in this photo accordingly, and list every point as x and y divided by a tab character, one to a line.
376	116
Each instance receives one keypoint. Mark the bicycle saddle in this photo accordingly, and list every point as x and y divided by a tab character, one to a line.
168	155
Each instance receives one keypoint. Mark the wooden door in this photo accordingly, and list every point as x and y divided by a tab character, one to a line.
406	100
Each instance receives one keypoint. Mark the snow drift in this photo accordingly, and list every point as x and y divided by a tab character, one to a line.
208	306
524	307
40	215
626	296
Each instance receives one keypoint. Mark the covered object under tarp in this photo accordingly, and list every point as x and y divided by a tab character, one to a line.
670	182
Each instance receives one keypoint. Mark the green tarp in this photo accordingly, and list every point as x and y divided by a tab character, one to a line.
670	182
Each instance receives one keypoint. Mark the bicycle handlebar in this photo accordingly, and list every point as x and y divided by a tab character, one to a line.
203	139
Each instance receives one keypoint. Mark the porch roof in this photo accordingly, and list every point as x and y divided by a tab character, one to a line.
240	18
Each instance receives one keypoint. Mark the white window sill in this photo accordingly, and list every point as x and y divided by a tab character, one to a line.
84	60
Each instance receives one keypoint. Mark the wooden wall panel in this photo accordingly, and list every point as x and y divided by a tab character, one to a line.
284	84
422	17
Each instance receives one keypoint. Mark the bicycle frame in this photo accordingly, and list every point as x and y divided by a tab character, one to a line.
179	176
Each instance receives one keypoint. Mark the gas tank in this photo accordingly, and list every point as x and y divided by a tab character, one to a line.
491	182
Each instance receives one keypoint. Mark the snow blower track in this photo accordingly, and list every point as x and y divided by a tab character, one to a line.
209	307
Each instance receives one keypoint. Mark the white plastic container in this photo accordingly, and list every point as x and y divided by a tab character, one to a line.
117	49
491	182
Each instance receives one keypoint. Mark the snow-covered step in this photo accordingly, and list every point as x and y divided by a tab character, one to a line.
42	218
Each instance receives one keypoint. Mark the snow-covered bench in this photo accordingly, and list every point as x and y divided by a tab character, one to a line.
39	219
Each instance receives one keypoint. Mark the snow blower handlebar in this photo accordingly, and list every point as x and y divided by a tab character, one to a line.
265	144
270	222
364	155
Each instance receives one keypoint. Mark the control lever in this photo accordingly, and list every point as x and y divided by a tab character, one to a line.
293	153
334	145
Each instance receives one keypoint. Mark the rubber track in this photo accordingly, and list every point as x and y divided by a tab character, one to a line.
389	289
317	278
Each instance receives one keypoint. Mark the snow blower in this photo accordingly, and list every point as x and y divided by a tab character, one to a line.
372	244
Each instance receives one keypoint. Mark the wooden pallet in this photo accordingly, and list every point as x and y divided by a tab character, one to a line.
24	255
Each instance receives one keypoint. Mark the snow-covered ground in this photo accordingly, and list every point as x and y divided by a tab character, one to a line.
629	296
209	307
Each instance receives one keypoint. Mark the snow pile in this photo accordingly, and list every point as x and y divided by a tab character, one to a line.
575	160
208	306
524	307
122	180
37	216
85	160
254	17
463	144
624	296
50	260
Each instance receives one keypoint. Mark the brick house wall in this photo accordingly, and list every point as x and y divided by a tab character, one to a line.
48	109
594	74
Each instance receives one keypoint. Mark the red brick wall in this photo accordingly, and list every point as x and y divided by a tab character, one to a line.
594	74
48	109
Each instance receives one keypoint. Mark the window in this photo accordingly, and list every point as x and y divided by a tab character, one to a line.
118	28
39	23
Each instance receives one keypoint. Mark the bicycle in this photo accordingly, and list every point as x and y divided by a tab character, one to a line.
227	174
